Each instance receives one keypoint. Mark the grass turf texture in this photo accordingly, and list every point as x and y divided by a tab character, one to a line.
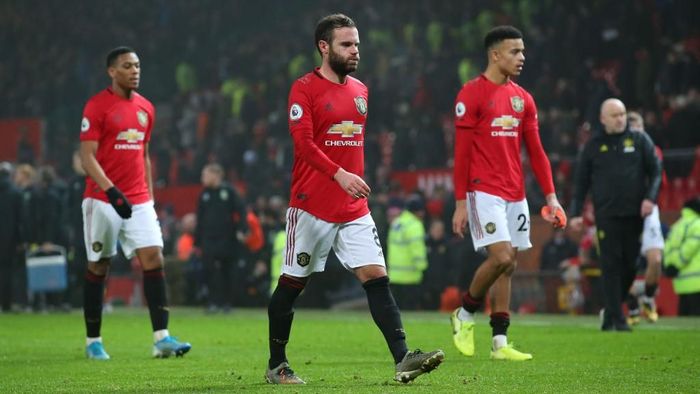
344	352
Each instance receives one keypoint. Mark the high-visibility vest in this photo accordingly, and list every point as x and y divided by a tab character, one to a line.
407	255
682	251
277	258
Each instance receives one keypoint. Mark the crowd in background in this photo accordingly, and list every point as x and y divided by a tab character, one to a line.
219	73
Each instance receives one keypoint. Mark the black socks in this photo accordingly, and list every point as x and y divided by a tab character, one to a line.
93	293
154	290
386	315
280	312
650	290
471	304
499	323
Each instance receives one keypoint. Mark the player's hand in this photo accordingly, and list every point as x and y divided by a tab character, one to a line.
119	202
647	207
459	218
555	216
553	212
352	184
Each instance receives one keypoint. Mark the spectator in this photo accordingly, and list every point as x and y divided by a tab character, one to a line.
221	224
682	258
407	256
10	209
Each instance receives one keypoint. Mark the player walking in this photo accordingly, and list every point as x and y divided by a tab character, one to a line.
118	200
493	115
328	205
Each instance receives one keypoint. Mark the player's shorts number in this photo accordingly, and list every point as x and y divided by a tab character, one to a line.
376	236
523	222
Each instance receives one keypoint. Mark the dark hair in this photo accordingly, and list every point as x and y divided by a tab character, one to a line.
500	33
325	27
116	52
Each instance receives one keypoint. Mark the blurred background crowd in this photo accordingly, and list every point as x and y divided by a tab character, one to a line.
219	74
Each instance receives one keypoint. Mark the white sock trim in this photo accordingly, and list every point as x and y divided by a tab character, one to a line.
464	315
89	341
499	341
160	334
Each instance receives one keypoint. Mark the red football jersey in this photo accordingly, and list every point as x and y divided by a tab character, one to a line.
121	127
491	122
327	124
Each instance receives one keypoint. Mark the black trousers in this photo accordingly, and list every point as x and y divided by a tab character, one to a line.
619	243
689	304
218	265
7	262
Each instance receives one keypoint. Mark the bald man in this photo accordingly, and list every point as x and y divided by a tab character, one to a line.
623	174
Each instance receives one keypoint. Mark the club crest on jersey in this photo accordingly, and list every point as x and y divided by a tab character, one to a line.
361	105
517	103
85	125
303	259
628	144
460	109
295	112
142	117
97	247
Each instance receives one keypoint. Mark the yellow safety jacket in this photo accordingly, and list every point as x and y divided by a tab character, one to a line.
407	255
682	251
277	258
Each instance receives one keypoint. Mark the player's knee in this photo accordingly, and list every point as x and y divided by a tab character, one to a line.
654	257
504	261
151	258
511	268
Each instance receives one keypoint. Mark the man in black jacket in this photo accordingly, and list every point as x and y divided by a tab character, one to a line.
623	174
10	209
221	223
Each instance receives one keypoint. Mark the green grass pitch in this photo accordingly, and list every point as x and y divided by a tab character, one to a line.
344	352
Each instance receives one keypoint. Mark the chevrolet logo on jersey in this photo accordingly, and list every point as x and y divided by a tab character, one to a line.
506	122
131	136
346	128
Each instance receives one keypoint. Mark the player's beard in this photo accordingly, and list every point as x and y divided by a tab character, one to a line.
339	65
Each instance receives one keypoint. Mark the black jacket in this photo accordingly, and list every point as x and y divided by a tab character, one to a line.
10	212
620	170
220	214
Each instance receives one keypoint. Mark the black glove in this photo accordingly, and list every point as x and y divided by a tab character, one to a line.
119	202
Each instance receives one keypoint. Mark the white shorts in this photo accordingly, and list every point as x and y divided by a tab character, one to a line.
652	237
103	227
310	239
493	219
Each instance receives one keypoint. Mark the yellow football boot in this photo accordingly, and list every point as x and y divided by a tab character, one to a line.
509	353
649	311
462	334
